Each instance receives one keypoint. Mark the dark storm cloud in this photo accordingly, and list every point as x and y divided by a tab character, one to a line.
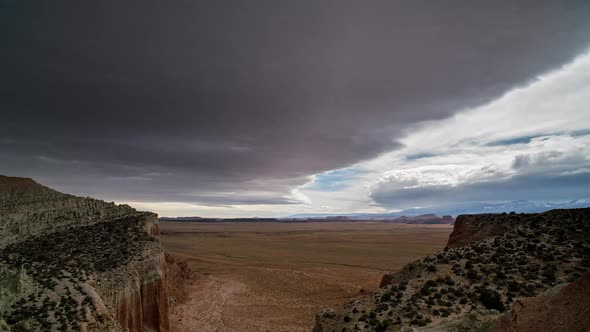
177	100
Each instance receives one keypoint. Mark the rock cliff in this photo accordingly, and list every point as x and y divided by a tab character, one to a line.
470	228
493	263
565	308
70	263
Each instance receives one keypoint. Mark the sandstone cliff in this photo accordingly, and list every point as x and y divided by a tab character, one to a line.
69	263
492	263
565	308
475	227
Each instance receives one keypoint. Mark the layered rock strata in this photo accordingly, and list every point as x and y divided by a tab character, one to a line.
70	263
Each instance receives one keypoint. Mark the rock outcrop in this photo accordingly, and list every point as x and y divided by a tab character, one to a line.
494	263
566	308
70	263
470	228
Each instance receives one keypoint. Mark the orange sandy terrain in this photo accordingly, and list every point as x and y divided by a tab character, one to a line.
276	276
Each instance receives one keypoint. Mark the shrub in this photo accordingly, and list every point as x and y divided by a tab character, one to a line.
491	299
513	286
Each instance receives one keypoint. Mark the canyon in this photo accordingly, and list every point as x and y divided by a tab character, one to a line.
71	263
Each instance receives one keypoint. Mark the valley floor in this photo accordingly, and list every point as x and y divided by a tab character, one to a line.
276	276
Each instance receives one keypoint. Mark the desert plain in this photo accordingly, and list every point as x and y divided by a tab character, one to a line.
275	276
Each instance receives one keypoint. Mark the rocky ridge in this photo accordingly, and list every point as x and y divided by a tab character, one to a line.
491	262
71	263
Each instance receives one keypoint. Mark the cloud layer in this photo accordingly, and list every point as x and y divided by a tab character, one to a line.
532	143
240	103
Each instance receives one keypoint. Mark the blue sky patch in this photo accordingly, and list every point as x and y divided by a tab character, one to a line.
515	140
335	180
417	156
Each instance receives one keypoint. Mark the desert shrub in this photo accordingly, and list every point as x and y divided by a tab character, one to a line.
382	326
513	286
449	281
472	275
425	290
491	299
419	322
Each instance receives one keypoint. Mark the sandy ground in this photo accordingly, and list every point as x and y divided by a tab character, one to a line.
204	308
275	277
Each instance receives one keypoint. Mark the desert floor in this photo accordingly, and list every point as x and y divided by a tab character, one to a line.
276	276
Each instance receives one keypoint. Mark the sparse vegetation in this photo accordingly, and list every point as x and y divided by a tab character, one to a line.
533	253
68	257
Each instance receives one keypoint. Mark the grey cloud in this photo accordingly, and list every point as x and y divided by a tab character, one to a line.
521	161
531	187
251	96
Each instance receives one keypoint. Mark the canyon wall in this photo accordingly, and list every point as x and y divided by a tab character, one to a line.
78	263
137	292
504	272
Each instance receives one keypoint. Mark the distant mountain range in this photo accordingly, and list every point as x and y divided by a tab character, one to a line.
419	219
521	206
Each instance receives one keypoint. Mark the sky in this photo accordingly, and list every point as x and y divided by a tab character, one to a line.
271	108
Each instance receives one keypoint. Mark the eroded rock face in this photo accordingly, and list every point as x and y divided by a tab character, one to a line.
471	228
142	305
73	263
566	309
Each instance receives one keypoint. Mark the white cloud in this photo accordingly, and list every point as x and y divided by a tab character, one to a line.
530	130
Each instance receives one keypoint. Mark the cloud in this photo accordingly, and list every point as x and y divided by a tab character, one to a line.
499	151
253	98
530	187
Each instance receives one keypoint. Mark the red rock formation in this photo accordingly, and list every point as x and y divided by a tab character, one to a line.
177	273
141	303
567	310
472	228
447	219
146	309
